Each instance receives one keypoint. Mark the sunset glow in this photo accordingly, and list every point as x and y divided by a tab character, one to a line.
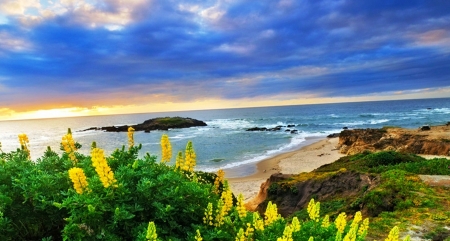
64	58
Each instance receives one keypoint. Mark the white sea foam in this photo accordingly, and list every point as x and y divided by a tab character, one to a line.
232	124
359	123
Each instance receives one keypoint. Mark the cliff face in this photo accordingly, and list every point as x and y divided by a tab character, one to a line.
435	141
291	196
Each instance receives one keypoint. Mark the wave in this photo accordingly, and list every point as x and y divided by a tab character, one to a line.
360	123
297	141
231	124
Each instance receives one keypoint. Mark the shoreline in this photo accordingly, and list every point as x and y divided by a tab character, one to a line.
305	159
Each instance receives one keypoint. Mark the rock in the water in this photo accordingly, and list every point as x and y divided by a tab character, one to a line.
160	123
257	129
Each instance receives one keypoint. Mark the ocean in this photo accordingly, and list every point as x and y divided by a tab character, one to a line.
225	143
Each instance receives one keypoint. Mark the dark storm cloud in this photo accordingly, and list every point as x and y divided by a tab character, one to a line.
230	49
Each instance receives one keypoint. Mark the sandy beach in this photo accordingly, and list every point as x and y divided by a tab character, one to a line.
304	159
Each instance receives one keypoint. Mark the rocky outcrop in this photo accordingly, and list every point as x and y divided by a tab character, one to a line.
276	128
292	197
435	141
160	123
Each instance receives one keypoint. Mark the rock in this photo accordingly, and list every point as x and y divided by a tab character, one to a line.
160	123
425	128
294	132
257	129
344	149
287	130
345	128
290	125
333	135
431	142
295	197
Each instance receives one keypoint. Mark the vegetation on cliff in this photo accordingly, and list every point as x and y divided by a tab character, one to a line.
384	185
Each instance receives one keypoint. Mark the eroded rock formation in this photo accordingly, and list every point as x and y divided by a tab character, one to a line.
435	141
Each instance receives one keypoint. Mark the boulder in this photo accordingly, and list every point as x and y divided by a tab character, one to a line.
425	128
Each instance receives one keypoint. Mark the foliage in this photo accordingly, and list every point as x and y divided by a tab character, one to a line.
122	197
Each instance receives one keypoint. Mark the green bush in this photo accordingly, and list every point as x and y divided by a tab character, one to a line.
40	201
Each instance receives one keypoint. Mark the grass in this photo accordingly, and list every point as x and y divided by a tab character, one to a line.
401	198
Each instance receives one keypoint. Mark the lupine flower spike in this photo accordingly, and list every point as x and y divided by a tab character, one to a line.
190	156
23	139
69	146
219	179
313	210
130	137
198	236
101	167
271	214
179	160
393	234
166	148
151	232
78	178
242	211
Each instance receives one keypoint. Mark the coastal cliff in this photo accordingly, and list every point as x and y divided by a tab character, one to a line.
432	141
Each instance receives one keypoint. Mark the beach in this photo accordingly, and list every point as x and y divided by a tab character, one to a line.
304	159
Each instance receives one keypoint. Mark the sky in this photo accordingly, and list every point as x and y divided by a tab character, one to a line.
91	57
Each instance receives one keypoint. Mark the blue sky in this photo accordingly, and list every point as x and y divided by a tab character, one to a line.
66	57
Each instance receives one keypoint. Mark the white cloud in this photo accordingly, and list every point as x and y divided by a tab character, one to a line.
235	48
11	43
111	14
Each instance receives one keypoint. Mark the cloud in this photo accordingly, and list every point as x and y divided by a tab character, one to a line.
86	53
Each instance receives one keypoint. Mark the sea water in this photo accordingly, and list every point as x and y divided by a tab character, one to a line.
225	142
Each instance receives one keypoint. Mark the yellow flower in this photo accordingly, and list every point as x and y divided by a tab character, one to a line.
198	236
295	225
249	231
242	211
69	146
227	197
166	148
258	223
393	234
189	158
179	160
364	227
341	222
240	235
79	179
287	234
23	139
311	238
351	235
130	137
220	213
207	219
326	221
101	167
356	219
219	179
151	232
271	214
313	210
